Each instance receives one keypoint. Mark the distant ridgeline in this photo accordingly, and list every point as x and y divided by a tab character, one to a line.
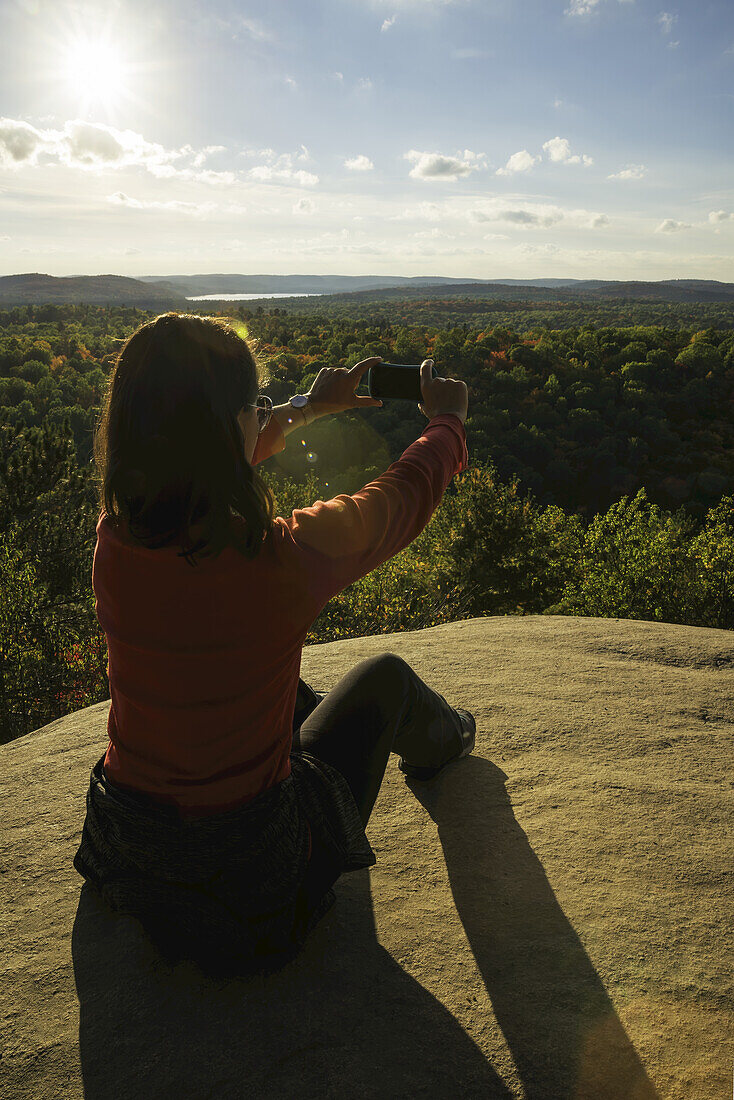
172	291
100	290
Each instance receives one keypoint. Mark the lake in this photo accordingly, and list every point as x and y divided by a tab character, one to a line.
245	297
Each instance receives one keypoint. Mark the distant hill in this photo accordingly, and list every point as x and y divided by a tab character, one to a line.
293	284
171	292
325	284
381	287
669	291
101	290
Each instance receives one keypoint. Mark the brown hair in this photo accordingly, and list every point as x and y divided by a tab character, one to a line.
168	446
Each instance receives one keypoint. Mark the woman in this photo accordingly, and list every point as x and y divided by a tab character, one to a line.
231	796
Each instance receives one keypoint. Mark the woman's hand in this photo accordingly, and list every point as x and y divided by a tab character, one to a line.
333	389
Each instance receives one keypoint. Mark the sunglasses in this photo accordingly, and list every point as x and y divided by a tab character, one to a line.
264	408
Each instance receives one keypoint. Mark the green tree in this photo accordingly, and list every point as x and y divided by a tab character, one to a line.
497	550
48	513
632	563
699	358
708	580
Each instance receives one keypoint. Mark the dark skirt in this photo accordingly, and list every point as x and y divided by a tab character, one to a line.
234	891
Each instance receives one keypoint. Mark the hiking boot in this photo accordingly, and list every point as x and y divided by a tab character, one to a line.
468	738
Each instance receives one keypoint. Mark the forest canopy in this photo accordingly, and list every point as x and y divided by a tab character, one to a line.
600	473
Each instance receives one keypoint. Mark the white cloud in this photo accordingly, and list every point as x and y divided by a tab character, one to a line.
256	30
581	7
331	243
631	172
90	144
666	21
420	4
584	7
518	162
339	77
429	166
671	226
279	168
290	81
176	206
234	27
283	173
359	164
95	146
387	23
19	142
559	150
519	217
207	151
538	249
364	84
527	217
524	214
304	206
433	234
542	216
167	171
424	211
557	102
268	154
172	206
720	216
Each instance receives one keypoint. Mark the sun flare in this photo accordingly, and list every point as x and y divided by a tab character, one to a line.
95	71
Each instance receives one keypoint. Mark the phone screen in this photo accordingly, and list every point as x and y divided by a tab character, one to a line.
396	380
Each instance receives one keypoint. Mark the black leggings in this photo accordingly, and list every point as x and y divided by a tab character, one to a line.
380	706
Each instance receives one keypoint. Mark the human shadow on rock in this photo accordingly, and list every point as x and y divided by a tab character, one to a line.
340	1019
550	1003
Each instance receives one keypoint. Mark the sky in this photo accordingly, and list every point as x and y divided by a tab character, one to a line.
469	138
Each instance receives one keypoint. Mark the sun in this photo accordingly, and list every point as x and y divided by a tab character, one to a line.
95	71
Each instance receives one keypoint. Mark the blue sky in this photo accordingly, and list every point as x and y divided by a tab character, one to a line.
472	138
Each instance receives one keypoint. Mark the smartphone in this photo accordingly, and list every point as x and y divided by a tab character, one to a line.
397	380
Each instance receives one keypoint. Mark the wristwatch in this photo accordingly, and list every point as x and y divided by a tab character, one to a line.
301	401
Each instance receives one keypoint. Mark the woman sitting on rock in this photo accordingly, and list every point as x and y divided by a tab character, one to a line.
231	796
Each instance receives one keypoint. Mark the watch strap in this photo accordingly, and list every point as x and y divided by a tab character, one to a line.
307	409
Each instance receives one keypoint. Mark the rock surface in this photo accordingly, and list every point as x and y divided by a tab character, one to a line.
549	918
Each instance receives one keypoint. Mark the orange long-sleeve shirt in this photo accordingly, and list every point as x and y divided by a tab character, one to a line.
204	662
